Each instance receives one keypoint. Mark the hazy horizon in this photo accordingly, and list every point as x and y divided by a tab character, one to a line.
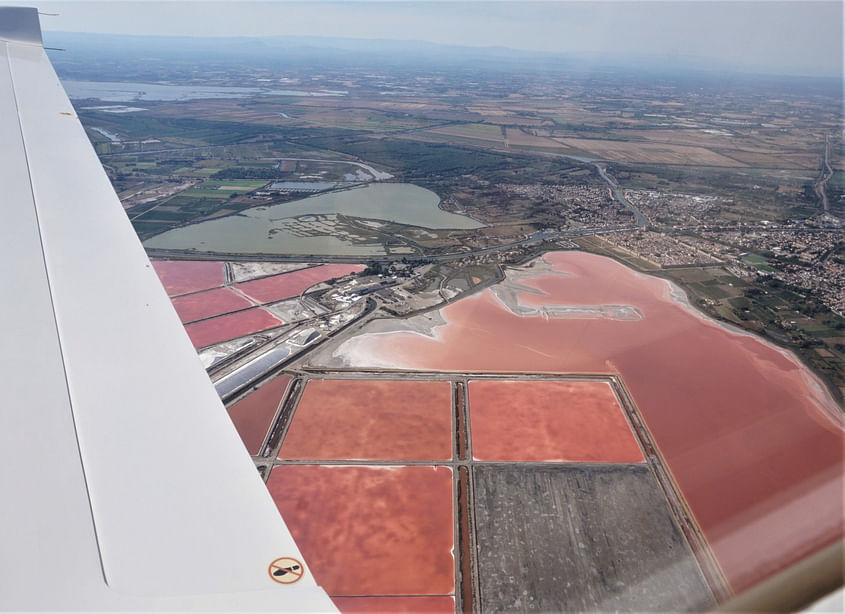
790	38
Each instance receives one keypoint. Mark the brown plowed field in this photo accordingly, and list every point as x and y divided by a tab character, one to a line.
549	421
371	420
653	153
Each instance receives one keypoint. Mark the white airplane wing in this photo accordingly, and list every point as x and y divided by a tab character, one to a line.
124	483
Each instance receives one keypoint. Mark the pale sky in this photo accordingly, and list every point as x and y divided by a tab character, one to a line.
795	37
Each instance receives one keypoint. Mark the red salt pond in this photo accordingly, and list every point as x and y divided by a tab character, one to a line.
395	605
371	420
201	305
549	421
253	415
232	326
286	285
371	530
184	276
751	437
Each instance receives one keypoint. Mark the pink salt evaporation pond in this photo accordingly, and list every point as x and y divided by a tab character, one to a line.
287	285
202	305
184	276
549	421
231	326
440	604
253	414
371	419
752	438
370	531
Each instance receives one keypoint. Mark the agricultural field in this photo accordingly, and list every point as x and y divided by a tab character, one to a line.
649	153
483	132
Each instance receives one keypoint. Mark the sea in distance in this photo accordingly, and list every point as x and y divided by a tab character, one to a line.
117	91
276	229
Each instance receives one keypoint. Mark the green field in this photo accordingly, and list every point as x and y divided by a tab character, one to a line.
709	290
195	172
759	262
838	179
207	194
222	189
233	185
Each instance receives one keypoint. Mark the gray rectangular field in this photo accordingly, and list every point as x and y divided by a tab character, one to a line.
573	538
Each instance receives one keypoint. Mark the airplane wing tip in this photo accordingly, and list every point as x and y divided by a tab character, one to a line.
20	24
